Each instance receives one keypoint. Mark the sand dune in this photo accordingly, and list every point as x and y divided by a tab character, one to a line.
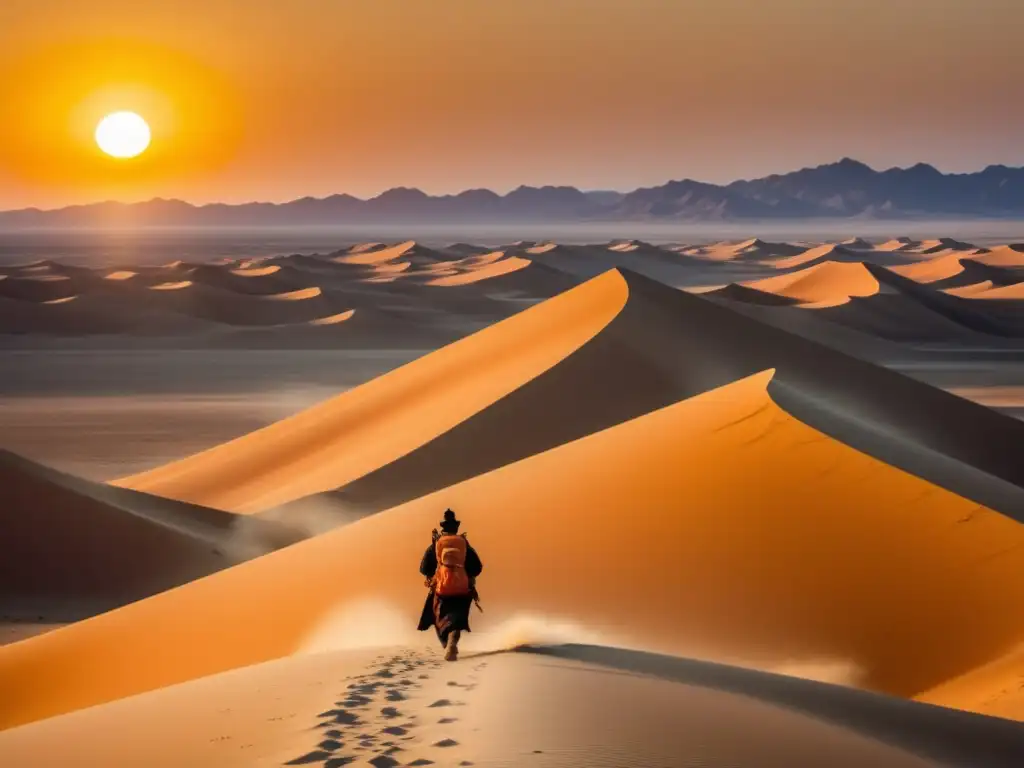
932	270
333	319
465	249
974	271
648	357
38	289
903	319
511	276
972	290
252	270
663	346
754	249
748	294
674	268
826	281
373	254
73	548
120	274
897	244
93	315
263	281
1005	292
372	425
483	272
175	285
944	244
782	562
857	244
1003	318
839	253
1004	256
299	294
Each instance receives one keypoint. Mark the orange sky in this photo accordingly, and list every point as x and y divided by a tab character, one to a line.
271	100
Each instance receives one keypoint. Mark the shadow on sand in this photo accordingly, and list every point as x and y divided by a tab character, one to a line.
950	736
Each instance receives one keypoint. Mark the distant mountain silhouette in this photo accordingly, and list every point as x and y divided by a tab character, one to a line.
846	189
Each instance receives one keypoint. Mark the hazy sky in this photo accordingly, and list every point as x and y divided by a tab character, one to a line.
276	99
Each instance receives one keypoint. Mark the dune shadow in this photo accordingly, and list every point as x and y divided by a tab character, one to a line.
952	737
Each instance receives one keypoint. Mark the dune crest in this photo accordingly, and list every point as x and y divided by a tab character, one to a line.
338	441
826	281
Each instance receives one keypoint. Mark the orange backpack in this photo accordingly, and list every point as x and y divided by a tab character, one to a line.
451	579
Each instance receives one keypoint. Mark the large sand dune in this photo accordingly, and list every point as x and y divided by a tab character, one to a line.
345	438
71	548
631	356
664	346
825	282
761	540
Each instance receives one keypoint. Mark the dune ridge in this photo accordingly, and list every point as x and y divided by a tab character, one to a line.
372	425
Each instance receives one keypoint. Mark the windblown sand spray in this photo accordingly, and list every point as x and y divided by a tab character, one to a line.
376	623
523	629
836	671
368	623
282	526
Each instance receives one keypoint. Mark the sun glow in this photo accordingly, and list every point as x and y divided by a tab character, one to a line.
123	135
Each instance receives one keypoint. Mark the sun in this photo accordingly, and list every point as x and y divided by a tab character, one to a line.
123	134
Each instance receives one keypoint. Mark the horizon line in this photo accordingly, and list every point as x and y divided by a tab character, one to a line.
288	201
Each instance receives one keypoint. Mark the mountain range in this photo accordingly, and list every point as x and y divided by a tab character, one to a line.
845	189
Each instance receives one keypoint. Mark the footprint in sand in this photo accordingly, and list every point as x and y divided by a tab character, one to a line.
366	689
422	761
354	701
340	716
384	761
444	703
318	756
390	712
395	695
445	743
447	720
395	730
